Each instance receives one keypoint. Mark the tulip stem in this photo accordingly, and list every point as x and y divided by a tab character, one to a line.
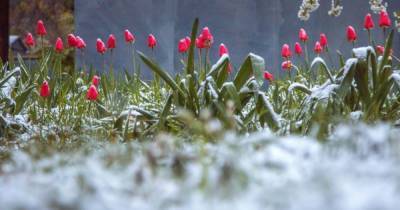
369	37
306	54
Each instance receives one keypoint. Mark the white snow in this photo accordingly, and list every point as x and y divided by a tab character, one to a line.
362	52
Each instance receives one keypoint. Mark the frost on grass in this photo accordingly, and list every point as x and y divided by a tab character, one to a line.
362	52
356	169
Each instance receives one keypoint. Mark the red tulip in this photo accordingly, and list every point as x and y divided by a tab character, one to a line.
71	40
384	20
286	51
40	29
100	46
351	34
59	46
188	41
297	48
151	41
223	50
199	43
303	35
92	93
317	48
80	43
29	40
380	50
268	76
205	39
323	40
182	46
368	22
96	80
286	65
45	89
129	38
111	42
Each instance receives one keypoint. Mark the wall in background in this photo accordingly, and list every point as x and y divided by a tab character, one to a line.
258	26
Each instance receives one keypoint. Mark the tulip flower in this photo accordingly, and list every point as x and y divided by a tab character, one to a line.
40	29
297	49
45	89
95	80
100	46
129	38
303	35
317	48
287	65
268	76
71	39
111	42
351	34
188	41
384	20
151	41
223	50
205	39
199	43
80	43
182	46
29	40
286	51
380	50
59	46
323	40
368	22
92	93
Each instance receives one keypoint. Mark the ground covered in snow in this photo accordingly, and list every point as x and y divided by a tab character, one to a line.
358	168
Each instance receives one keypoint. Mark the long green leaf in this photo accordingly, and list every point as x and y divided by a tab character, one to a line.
162	73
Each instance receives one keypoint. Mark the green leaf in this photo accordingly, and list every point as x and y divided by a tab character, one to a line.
321	62
190	64
162	73
254	65
22	98
7	77
361	79
165	112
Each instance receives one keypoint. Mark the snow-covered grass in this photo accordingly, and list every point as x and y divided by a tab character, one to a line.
357	169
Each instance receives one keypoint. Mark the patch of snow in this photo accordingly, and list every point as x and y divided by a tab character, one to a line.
362	52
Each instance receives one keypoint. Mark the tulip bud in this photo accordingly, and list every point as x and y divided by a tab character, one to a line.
323	40
380	50
286	51
29	40
45	89
368	22
111	42
351	34
188	41
151	41
59	46
206	38
100	46
96	80
287	65
129	38
223	50
182	46
71	40
40	29
297	48
80	43
199	43
303	35
384	20
317	48
268	76
92	93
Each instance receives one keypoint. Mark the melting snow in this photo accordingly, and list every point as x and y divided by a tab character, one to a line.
362	52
